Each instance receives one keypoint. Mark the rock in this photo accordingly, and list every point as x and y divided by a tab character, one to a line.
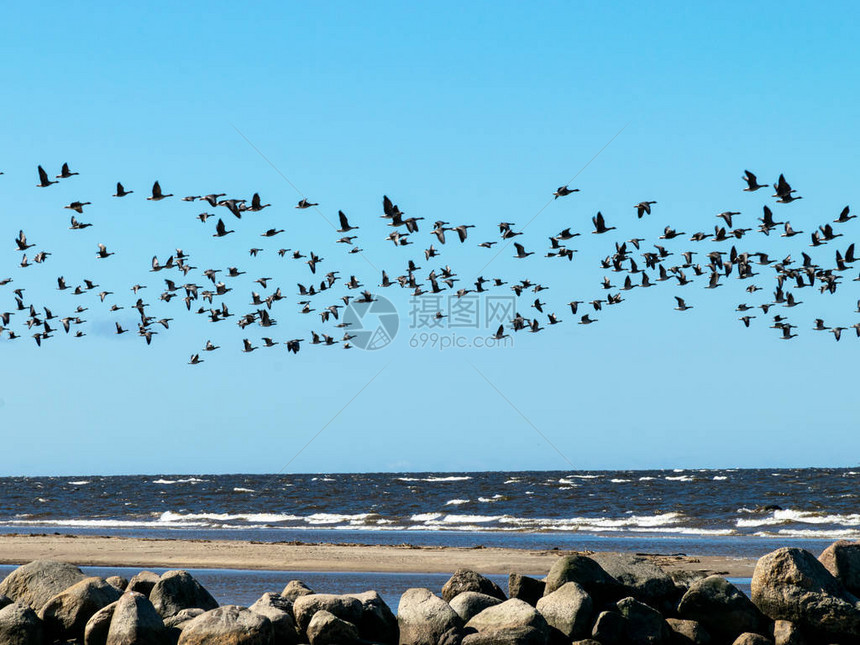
118	582
377	623
228	625
143	582
135	622
20	625
66	614
748	638
720	607
588	574
39	581
179	619
97	627
177	590
586	641
645	581
453	636
279	611
568	609
787	633
687	632
327	629
294	589
471	603
344	607
514	636
790	584
644	624
609	628
525	588
511	616
842	560
5	600
423	617
468	580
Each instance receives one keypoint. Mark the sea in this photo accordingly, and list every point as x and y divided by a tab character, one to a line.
730	512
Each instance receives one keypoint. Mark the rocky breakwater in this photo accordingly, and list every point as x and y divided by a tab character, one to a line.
797	599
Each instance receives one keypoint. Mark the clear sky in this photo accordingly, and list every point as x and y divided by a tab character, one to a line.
465	112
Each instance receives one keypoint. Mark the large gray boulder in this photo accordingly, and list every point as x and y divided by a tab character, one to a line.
39	581
327	629
513	616
279	611
644	624
609	628
183	616
790	584
786	632
423	617
19	625
296	588
568	609
118	582
842	560
525	588
228	625
749	638
65	615
584	571
143	582
177	590
468	580
472	603
644	580
5	600
346	608
721	608
514	636
688	632
135	622
377	623
97	627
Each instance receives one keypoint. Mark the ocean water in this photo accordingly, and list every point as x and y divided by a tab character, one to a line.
740	512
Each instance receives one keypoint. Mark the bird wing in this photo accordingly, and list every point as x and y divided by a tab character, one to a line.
344	223
156	190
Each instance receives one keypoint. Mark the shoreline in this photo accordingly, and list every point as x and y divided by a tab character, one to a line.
118	551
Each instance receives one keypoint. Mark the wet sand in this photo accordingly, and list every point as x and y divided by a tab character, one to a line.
108	551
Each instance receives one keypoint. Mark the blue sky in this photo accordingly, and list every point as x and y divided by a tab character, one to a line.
467	113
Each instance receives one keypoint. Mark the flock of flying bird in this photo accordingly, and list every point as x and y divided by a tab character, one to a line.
658	264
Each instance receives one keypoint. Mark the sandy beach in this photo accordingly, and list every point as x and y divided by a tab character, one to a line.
300	556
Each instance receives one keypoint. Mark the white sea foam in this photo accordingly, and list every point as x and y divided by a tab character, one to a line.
82	482
453	478
512	481
189	480
719	478
619	481
469	519
679	478
456	502
791	516
244	490
425	517
267	518
336	518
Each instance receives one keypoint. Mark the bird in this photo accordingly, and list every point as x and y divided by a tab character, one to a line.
221	229
600	224
521	251
195	359
256	205
65	173
103	252
44	182
564	191
344	223
304	203
121	192
157	195
682	306
77	206
752	182
784	191
643	208
21	242
77	226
